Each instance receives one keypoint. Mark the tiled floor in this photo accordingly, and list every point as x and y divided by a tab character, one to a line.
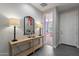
61	50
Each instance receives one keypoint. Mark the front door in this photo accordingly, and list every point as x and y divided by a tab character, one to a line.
69	28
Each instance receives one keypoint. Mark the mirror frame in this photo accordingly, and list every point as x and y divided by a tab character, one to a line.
33	24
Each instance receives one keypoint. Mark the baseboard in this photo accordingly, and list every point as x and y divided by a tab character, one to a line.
77	46
55	46
4	54
68	45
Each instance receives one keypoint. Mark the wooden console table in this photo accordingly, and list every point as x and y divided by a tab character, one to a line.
25	46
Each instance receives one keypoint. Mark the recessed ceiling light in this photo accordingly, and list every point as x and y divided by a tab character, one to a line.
43	4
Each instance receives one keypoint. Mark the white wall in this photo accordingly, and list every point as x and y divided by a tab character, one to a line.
69	19
14	11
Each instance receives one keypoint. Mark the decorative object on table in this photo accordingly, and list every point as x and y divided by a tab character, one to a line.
14	22
39	26
29	25
29	33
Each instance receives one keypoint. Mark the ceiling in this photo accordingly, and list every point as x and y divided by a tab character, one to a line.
60	6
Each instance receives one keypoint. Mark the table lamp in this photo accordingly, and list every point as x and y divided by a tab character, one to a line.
39	25
14	22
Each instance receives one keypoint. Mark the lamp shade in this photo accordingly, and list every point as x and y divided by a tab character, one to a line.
38	25
14	21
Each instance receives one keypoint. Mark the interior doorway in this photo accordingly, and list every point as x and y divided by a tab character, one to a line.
48	29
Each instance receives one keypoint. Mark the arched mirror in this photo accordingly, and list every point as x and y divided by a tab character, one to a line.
29	25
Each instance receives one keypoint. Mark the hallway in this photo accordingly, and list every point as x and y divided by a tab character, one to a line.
61	50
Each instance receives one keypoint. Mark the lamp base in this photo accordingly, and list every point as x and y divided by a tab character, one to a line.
39	34
14	40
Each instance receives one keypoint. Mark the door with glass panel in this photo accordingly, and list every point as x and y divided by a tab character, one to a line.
48	29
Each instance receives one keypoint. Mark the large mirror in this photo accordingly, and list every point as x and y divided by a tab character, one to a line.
29	25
